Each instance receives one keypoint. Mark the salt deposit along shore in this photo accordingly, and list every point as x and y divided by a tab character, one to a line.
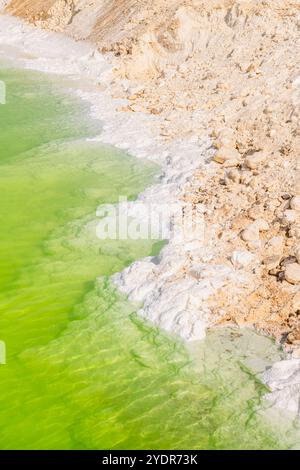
242	268
180	304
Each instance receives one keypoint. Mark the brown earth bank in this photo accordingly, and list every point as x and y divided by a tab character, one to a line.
229	69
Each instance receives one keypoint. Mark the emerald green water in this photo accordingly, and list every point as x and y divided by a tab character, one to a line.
82	371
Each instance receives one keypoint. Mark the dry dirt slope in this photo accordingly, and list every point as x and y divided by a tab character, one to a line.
231	69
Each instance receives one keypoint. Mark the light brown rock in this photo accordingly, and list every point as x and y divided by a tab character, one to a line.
297	253
275	245
289	216
251	233
262	225
227	155
255	160
296	301
292	273
271	262
242	259
295	203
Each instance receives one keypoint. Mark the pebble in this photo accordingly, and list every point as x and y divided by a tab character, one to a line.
250	233
288	260
276	245
295	232
295	203
261	224
255	212
271	262
225	142
283	379
255	160
227	155
297	253
292	273
231	163
255	245
289	216
242	259
296	301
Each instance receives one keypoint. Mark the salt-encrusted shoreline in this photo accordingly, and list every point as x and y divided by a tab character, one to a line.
170	299
178	306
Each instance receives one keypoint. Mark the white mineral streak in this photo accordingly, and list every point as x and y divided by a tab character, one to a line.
283	378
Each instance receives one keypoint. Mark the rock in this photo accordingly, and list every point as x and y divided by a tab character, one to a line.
242	259
262	225
255	212
271	262
254	160
250	233
280	276
226	133
292	273
275	246
231	163
295	232
255	245
295	203
294	336
288	260
297	254
296	301
227	155
283	378
225	141
239	222
289	216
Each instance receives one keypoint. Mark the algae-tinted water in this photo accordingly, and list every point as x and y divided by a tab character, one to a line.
82	371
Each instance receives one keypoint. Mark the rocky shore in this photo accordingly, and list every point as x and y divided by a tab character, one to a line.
210	91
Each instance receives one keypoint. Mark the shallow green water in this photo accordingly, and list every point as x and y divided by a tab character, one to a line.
83	372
